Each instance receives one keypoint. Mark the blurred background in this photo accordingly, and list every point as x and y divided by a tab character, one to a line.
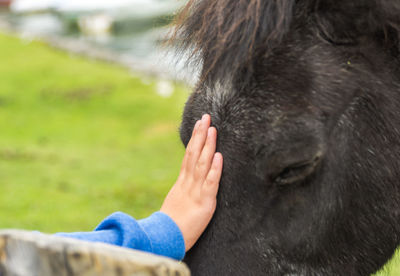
90	106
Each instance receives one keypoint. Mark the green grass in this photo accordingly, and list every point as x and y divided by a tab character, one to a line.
80	139
392	268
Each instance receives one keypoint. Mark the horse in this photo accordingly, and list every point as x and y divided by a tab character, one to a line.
305	96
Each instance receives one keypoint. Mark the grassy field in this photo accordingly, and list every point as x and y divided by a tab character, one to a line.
81	139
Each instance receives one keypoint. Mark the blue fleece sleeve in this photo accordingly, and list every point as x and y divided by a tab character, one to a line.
156	234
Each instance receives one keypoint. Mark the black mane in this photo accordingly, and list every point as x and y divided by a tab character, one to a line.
227	35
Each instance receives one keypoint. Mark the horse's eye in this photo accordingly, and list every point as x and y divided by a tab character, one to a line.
296	172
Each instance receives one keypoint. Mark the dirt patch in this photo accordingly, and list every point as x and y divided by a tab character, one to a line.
16	155
76	94
4	101
160	128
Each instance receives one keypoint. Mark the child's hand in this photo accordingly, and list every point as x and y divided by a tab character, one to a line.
192	200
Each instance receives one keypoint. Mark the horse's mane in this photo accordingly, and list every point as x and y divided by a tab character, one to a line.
226	35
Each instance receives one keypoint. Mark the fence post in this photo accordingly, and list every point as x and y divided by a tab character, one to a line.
24	253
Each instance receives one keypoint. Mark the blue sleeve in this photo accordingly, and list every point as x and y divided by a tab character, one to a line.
156	234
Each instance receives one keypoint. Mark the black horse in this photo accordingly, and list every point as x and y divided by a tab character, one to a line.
305	95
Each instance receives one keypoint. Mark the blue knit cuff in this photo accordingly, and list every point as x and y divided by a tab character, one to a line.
165	236
128	232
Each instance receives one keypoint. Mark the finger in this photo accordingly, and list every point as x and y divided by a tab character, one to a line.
185	157
196	125
211	184
197	142
206	157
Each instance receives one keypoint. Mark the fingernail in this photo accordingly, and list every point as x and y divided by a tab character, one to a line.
204	117
217	159
209	132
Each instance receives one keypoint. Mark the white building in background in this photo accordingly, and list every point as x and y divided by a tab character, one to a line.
32	5
96	17
139	7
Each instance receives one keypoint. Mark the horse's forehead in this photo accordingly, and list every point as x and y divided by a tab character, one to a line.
219	94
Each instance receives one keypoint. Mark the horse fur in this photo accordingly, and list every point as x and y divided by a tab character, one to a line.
305	96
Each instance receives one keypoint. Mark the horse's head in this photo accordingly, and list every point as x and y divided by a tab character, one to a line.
306	99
